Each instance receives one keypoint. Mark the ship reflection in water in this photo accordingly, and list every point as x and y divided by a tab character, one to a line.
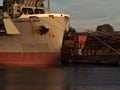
60	78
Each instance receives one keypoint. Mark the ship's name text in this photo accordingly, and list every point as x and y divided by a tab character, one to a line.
25	21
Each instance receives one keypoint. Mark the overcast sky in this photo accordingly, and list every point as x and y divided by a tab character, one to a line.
89	13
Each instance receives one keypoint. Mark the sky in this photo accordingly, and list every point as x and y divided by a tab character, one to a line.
88	14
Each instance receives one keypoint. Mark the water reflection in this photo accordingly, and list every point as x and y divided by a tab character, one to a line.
60	78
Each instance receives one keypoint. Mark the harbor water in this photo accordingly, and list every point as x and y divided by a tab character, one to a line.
61	78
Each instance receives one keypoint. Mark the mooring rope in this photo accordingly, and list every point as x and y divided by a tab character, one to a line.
105	43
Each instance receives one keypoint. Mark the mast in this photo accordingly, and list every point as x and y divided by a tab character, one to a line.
48	5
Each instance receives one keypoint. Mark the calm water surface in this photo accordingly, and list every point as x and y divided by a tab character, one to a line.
60	78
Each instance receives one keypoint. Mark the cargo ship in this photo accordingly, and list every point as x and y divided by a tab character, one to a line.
29	34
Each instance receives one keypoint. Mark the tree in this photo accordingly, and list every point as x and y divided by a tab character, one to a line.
105	28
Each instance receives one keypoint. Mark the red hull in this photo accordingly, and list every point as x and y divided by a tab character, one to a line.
29	59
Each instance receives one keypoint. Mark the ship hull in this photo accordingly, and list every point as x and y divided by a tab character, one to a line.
29	59
30	47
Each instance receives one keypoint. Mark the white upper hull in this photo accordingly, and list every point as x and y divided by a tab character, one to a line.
30	39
